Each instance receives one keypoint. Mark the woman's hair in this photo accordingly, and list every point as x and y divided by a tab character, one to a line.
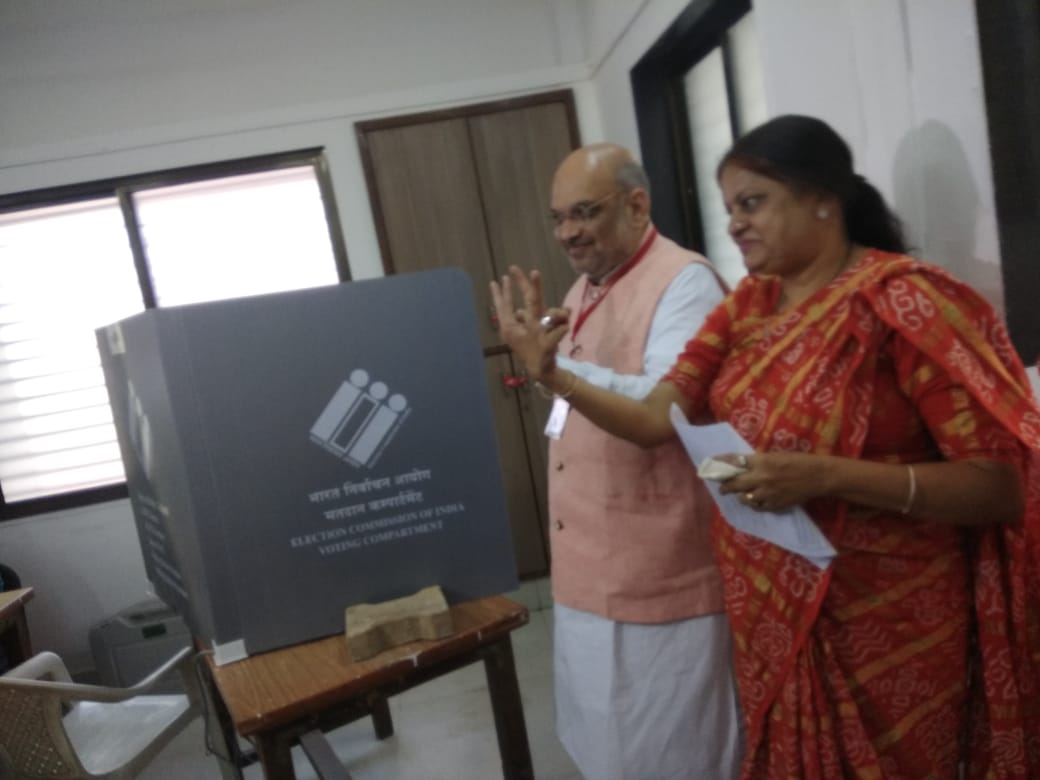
805	153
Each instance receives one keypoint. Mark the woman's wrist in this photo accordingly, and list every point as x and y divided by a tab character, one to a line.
546	369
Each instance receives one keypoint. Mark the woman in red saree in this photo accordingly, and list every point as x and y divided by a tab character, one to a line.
884	397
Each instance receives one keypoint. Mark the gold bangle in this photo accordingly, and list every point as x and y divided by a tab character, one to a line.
570	389
912	494
547	393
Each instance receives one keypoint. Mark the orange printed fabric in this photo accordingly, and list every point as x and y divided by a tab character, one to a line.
862	669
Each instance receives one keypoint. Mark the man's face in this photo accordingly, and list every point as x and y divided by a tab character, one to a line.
593	223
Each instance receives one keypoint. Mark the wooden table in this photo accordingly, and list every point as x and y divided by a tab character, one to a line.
274	698
14	630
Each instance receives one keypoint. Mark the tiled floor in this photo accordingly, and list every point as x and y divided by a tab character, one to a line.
443	730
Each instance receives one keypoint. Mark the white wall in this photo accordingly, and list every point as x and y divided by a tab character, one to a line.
91	90
901	80
83	564
622	42
84	75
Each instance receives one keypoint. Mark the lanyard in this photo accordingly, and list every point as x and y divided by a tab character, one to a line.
606	287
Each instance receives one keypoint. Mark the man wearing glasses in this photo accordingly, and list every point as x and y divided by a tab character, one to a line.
643	677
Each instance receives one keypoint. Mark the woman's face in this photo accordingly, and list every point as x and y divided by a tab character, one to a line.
777	228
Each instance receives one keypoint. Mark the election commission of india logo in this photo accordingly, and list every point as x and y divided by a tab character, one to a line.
360	420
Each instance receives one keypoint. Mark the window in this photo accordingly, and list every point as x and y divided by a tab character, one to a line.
74	259
724	98
696	90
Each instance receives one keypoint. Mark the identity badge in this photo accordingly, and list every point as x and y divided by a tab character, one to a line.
557	418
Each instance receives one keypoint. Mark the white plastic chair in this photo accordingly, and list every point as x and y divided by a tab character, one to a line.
53	728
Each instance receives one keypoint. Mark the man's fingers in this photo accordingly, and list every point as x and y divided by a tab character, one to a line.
553	318
530	290
502	298
533	298
555	336
530	315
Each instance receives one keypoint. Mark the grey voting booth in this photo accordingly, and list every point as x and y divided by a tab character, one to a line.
289	455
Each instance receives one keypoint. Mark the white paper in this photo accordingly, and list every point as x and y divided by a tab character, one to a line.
791	529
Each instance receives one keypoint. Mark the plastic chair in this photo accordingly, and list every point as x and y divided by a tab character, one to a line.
9	579
53	728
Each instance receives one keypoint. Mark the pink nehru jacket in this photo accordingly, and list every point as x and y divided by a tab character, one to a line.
629	527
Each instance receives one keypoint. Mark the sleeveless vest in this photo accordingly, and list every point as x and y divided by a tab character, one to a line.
629	528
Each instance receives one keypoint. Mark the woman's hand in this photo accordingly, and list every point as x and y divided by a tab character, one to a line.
774	481
532	331
967	492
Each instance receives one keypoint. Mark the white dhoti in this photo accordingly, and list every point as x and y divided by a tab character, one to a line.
647	701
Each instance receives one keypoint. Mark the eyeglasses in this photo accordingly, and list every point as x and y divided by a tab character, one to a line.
583	212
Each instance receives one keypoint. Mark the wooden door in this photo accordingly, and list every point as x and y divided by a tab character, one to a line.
520	472
427	203
471	189
516	153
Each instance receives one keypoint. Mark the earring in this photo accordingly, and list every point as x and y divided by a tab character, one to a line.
822	212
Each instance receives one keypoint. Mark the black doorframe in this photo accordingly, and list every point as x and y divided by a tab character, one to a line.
661	114
1009	43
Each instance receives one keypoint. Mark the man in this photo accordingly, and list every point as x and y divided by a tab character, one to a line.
644	687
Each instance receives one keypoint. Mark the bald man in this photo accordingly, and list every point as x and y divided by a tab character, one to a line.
643	680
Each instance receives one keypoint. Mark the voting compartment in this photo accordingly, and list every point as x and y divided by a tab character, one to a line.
290	455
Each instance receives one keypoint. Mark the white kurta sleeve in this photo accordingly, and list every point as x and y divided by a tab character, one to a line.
687	301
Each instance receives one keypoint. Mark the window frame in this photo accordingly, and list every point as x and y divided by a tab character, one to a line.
123	188
1009	46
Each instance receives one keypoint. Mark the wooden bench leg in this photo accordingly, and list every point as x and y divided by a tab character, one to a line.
324	760
274	751
381	721
508	710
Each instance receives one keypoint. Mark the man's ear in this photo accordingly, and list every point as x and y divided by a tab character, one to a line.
637	203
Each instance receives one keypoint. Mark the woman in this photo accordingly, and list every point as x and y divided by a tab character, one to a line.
884	397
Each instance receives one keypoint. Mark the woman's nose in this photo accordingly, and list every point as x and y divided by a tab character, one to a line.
736	224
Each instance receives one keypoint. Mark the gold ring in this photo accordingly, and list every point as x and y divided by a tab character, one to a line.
749	497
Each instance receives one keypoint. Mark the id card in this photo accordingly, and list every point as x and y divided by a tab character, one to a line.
557	418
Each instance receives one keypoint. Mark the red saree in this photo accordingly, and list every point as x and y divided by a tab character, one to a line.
914	654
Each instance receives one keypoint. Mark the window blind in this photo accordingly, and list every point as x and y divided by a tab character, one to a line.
67	270
64	271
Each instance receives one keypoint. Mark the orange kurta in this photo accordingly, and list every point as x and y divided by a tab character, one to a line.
863	669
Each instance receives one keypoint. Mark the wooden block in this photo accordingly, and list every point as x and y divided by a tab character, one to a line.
372	628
